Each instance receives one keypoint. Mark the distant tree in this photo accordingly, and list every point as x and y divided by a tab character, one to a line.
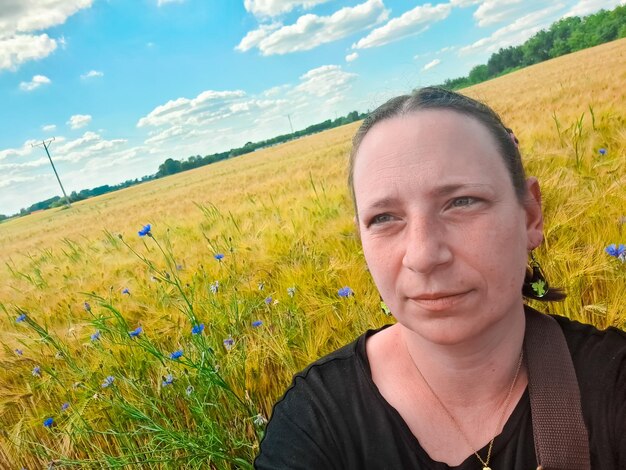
169	167
505	59
352	116
537	48
478	74
562	31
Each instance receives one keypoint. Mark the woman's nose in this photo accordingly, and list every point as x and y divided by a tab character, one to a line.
425	246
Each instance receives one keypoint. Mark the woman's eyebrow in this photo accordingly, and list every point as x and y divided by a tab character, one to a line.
448	189
382	202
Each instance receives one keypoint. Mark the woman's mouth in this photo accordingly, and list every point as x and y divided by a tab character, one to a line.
439	300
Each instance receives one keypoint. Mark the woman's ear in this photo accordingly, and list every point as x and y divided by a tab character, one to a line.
534	215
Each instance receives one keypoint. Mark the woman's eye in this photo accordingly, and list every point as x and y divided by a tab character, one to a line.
463	201
381	219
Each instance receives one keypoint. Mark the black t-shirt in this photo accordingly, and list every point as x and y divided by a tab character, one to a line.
334	417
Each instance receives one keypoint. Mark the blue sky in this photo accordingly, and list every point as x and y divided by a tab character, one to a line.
124	84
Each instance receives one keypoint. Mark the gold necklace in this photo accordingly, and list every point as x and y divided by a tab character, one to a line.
485	462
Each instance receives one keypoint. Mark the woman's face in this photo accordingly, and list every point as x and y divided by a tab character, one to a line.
444	235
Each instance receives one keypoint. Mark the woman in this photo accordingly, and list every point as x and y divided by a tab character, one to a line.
448	220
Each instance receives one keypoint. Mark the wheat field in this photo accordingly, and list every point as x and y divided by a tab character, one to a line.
255	249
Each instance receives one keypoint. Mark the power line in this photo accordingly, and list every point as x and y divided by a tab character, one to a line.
45	144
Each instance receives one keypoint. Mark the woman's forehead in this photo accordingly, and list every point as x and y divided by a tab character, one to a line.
430	125
426	136
431	149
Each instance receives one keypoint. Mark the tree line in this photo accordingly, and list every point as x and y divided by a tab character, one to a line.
171	166
566	35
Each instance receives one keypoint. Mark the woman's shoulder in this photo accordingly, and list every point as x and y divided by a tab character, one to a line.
348	363
582	337
599	356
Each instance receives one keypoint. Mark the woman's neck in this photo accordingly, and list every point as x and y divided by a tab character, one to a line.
475	373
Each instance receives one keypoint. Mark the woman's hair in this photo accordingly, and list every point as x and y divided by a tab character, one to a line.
440	98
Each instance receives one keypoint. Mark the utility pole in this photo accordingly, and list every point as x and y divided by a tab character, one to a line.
289	117
45	144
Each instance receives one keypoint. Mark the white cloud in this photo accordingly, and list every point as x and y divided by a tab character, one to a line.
464	3
88	145
446	49
310	30
431	64
48	127
277	7
408	24
91	74
254	37
496	11
33	15
191	111
325	81
216	121
352	57
587	7
26	149
274	91
15	50
514	33
35	83
18	18
79	120
17	179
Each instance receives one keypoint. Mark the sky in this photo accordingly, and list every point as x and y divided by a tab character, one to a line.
122	85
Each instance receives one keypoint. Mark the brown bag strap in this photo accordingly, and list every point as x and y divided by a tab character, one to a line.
561	438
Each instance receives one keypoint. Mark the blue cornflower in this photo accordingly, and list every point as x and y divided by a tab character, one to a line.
95	336
176	354
48	422
108	381
21	318
268	300
615	250
136	332
125	291
345	292
196	330
168	380
228	343
602	151
65	406
145	231
291	291
19	352
87	307
256	323
218	256
36	371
